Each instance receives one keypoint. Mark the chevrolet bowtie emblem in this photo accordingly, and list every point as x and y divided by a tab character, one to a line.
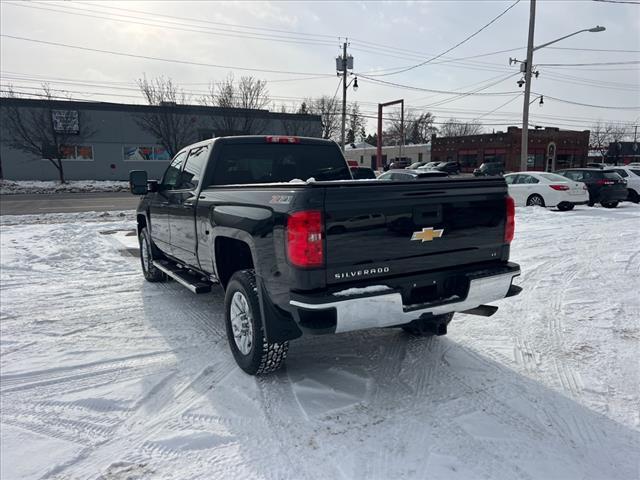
427	234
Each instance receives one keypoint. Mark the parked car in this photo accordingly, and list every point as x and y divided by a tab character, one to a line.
632	177
415	165
489	169
402	162
452	168
429	166
407	175
605	187
546	190
239	213
360	173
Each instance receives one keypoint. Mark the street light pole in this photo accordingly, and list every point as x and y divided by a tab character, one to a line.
344	93
524	153
528	69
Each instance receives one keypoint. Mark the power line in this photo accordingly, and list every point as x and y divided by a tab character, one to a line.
146	57
587	104
445	92
456	45
200	20
593	50
167	25
498	108
618	1
633	62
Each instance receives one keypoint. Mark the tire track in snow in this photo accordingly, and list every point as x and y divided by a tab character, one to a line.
52	376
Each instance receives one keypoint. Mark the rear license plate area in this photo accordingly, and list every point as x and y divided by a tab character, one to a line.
438	291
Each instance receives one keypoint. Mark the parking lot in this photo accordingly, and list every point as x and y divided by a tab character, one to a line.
117	377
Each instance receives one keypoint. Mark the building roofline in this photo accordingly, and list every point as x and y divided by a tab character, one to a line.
186	109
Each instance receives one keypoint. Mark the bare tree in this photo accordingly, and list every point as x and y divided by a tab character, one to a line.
239	97
618	133
356	124
599	138
417	129
605	138
421	128
327	108
297	126
48	132
172	129
456	128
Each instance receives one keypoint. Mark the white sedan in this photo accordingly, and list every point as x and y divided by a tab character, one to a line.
546	190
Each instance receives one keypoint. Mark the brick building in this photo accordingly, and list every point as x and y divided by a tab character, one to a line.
558	148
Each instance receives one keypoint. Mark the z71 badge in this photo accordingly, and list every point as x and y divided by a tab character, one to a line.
427	234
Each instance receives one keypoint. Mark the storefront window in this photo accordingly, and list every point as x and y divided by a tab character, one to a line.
136	153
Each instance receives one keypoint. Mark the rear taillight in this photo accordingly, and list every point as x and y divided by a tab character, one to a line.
280	139
304	239
510	225
560	187
604	181
584	187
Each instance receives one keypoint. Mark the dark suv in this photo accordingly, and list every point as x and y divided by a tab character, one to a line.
489	169
400	162
606	187
452	168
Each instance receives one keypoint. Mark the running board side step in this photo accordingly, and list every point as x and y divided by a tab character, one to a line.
183	277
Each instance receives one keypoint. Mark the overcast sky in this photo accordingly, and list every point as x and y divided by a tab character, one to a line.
305	37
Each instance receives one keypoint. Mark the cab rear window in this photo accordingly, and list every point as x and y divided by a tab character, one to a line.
275	163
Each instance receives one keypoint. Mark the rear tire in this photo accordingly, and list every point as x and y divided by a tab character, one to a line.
148	251
245	334
633	196
565	207
421	326
609	204
535	200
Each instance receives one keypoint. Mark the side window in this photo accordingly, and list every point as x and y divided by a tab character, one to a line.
385	176
622	173
194	167
511	179
171	176
587	175
522	179
531	179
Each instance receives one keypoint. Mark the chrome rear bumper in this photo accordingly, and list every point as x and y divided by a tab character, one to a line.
387	309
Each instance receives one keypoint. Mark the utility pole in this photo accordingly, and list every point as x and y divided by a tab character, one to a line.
524	149
344	93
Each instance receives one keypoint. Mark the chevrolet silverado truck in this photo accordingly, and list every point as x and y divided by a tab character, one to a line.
300	247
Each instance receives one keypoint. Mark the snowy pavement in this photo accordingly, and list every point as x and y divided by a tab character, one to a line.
10	187
106	376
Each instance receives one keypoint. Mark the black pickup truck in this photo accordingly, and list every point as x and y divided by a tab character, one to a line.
301	247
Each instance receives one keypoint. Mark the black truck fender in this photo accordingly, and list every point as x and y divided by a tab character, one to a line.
279	326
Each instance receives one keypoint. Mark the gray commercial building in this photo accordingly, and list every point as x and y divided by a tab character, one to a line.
104	141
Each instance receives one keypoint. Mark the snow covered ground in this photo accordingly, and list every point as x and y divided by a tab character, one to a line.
8	187
106	376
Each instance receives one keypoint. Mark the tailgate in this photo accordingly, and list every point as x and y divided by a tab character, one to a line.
382	229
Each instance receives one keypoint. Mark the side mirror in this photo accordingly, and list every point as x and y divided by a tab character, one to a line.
138	182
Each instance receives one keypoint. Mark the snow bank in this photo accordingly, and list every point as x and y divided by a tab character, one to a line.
78	217
12	187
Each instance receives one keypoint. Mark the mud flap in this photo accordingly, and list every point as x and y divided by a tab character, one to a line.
279	326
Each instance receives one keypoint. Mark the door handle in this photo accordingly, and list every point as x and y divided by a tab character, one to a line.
189	206
164	204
